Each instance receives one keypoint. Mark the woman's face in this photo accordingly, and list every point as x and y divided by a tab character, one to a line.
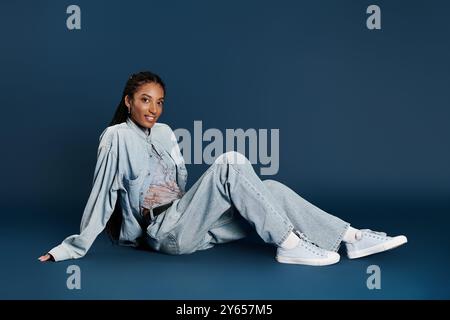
146	105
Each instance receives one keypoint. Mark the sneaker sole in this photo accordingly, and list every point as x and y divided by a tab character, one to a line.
388	245
308	262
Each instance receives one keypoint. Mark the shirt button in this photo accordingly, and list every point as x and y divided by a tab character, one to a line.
148	174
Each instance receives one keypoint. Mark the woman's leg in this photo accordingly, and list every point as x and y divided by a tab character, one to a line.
319	226
212	211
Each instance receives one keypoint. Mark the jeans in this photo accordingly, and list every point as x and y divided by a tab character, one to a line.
228	197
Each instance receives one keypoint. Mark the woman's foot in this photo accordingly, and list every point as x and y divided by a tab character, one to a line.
307	253
367	242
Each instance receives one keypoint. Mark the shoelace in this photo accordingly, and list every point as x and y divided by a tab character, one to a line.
359	234
306	239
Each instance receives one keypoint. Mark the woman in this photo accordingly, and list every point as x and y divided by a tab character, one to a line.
139	194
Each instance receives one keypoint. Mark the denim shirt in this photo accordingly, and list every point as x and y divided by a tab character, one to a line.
123	163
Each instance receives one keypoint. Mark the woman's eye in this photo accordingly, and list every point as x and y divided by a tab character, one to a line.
145	100
161	103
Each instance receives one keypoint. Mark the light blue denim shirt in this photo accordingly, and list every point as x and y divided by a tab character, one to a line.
123	163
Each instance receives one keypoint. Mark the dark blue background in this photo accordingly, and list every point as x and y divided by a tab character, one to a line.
363	118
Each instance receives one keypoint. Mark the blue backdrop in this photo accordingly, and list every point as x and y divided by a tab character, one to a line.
363	118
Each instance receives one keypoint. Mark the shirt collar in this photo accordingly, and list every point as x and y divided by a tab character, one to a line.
141	131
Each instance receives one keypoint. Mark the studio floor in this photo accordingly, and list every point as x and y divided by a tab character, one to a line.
245	269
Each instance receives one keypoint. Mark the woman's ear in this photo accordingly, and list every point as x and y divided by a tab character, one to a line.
127	101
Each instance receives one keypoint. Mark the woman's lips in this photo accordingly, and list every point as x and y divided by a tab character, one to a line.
150	118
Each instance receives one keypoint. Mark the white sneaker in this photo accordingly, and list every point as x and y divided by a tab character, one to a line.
308	253
369	242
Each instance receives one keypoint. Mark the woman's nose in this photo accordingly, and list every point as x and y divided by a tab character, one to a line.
153	107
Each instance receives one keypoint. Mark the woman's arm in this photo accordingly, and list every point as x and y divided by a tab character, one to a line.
99	207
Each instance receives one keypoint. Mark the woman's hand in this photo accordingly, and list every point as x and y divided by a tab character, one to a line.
46	257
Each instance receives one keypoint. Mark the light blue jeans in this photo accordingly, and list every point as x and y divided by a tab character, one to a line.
228	197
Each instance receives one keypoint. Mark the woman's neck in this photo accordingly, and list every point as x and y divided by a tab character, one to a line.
144	129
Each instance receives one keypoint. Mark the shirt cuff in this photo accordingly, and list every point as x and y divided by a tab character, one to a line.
60	253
